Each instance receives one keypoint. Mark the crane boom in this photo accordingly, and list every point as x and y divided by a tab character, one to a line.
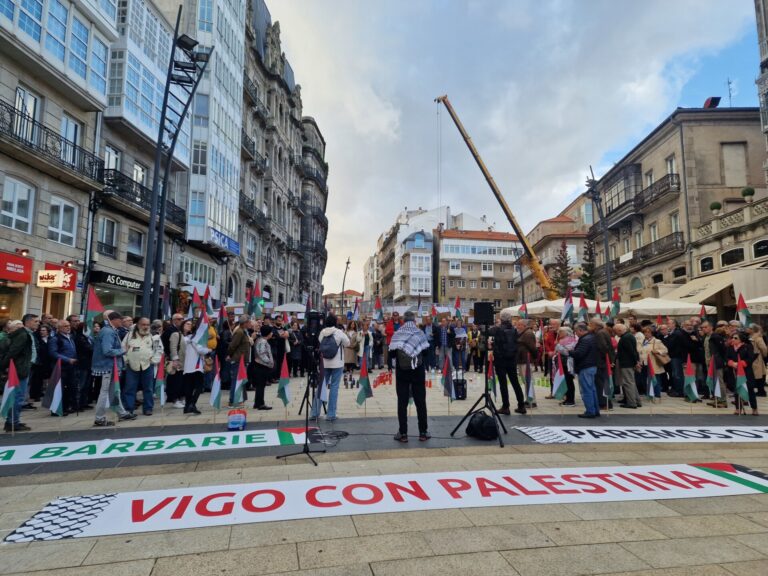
530	258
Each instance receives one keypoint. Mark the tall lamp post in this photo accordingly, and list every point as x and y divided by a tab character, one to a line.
343	282
594	195
519	255
185	70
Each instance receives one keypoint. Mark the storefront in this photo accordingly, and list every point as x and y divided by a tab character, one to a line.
118	292
58	283
15	278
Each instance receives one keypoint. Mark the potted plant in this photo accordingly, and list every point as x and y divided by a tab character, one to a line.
715	207
748	193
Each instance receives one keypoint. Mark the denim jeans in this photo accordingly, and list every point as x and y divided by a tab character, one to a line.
332	379
139	379
588	390
431	360
677	375
18	401
459	359
104	402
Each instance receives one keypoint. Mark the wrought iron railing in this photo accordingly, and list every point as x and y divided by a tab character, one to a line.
259	162
250	89
668	183
134	259
106	249
47	143
127	189
672	244
313	173
247	143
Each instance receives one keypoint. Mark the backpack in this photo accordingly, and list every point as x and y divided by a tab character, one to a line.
329	348
406	361
505	343
482	427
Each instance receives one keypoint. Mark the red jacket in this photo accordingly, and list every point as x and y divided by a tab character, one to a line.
550	339
389	330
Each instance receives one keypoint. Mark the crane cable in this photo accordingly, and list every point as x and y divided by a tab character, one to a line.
439	146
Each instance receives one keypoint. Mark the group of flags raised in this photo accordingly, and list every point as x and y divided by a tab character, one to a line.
582	315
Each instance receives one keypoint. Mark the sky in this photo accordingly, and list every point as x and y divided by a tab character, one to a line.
545	89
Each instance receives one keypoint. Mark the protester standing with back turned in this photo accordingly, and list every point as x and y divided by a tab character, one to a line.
408	346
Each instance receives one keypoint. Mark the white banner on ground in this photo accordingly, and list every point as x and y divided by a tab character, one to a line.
179	508
596	434
146	446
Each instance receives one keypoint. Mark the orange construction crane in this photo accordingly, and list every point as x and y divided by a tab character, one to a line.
529	258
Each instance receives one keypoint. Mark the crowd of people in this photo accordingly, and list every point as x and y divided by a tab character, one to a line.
584	352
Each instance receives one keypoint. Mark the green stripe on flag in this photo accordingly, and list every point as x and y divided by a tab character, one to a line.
286	438
735	478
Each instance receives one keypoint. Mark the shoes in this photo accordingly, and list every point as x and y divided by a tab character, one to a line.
329	418
265	407
17	428
191	410
29	406
400	437
63	414
424	436
127	417
521	409
178	404
567	404
589	415
626	406
550	397
504	410
103	423
147	413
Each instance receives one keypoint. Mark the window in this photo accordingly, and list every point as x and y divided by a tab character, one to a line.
205	16
473	284
678	272
418	241
56	35
111	158
638	240
7	9
28	109
586	213
109	7
250	252
62	223
135	248
760	249
98	77
454	267
70	132
648	178
497	304
627	246
107	243
18	198
654	231
706	264
613	252
199	157
671	164
470	267
78	51
496	285
487	266
510	284
461	283
635	284
140	173
674	222
657	278
30	14
201	110
732	257
483	284
451	283
734	164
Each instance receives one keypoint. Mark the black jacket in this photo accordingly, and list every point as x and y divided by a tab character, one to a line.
626	353
585	354
677	344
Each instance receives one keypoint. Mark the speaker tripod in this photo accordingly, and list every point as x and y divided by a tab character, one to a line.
488	404
306	404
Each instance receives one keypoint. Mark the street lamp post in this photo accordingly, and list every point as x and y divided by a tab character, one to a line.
343	282
185	70
594	195
519	254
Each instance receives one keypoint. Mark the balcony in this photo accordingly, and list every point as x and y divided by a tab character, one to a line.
662	249
247	145
21	136
725	224
261	111
249	89
313	173
667	186
320	216
253	213
259	163
130	196
106	249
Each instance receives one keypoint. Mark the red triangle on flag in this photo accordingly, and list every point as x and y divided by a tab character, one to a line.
241	373
659	320
364	367
721	466
161	368
284	369
689	371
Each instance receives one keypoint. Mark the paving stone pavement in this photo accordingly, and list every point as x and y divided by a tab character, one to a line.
725	536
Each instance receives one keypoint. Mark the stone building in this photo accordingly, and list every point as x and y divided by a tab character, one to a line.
657	196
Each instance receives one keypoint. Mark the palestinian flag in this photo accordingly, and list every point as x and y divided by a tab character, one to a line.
93	308
528	377
356	312
378	312
285	318
690	381
364	382
9	393
434	311
523	311
240	383
743	312
201	336
160	381
703	312
207	300
559	384
713	382
307	308
457	308
567	314
615	304
114	401
741	382
418	307
583	310
608	388
598	310
215	399
448	379
57	399
651	381
222	320
659	320
197	304
492	379
256	303
284	384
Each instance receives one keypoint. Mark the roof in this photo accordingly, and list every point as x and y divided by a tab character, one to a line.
346	293
560	218
479	235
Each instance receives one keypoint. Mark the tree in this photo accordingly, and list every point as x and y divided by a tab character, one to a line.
588	271
561	277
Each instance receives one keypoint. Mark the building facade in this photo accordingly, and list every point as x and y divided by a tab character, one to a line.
655	198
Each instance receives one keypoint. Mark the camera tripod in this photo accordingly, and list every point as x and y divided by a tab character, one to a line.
306	403
487	401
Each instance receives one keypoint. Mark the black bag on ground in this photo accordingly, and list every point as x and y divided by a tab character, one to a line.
482	426
460	389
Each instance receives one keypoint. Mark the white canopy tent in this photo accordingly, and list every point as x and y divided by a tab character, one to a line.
652	307
758	305
291	307
551	308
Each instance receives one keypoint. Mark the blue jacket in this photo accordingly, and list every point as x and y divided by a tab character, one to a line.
585	354
61	347
107	347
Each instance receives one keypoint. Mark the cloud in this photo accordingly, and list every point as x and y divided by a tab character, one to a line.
545	88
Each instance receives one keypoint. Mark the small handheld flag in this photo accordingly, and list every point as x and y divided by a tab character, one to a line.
448	379
378	311
434	311
741	382
703	312
615	303
567	314
256	305
222	319
745	317
11	388
207	300
713	382
559	384
57	400
523	311
114	401
197	304
457	308
651	382
160	381
242	380
690	381
583	310
216	386
92	309
598	311
492	379
659	320
608	390
364	382
284	384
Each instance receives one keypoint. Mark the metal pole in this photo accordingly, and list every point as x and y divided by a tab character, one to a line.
146	297
594	195
93	206
343	282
